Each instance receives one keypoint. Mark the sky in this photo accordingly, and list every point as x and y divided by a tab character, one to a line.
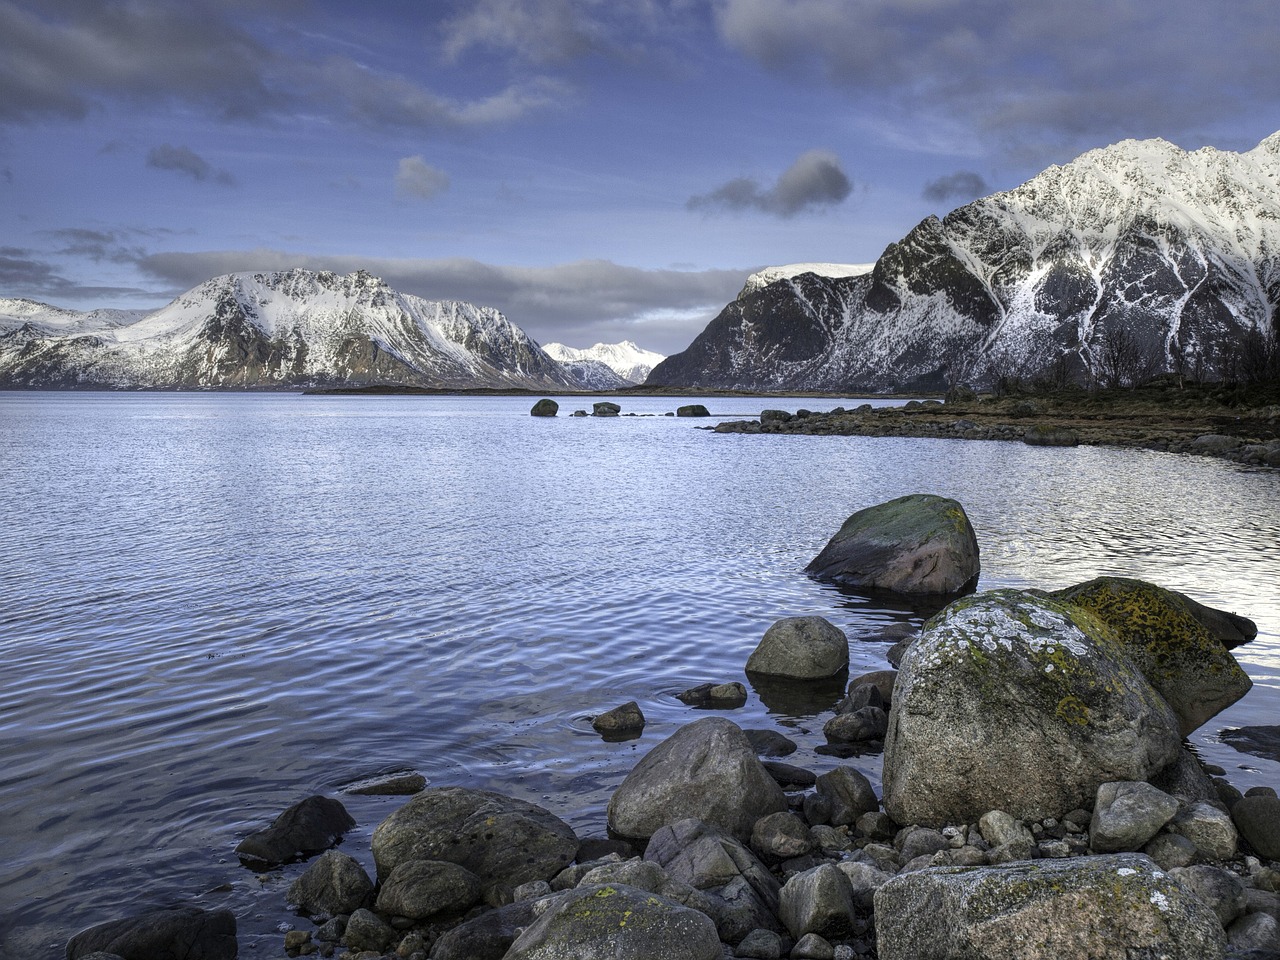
598	170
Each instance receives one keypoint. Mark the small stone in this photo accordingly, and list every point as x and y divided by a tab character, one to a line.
1210	829
531	890
1127	815
1171	850
1220	889
877	825
1255	931
770	743
759	944
620	720
812	947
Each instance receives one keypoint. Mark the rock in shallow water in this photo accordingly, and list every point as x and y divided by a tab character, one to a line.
307	827
182	933
801	648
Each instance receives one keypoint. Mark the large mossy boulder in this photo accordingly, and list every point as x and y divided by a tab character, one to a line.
706	770
503	841
915	545
801	648
1114	907
1190	667
618	922
1012	701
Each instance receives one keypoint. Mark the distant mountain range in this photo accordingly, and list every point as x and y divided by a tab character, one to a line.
627	363
295	328
1140	252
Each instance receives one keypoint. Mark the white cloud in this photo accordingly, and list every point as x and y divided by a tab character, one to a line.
415	179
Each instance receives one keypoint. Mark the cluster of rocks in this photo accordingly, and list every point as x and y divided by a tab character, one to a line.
1021	422
1037	802
547	407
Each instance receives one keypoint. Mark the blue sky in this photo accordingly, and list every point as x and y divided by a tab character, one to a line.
597	169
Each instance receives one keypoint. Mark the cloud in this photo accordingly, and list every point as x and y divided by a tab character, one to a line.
815	180
66	58
576	303
185	160
962	185
416	180
23	273
1091	70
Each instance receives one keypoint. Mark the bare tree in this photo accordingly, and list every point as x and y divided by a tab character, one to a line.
1256	357
1120	360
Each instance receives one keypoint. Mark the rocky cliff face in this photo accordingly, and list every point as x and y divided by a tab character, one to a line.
273	330
1131	260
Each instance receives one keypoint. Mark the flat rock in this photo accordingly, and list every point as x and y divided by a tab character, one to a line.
1015	702
1113	907
1260	741
915	545
706	770
181	933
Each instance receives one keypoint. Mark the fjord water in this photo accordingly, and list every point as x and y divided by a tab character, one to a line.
214	605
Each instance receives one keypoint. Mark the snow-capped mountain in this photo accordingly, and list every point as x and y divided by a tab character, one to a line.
627	360
1176	252
263	330
762	278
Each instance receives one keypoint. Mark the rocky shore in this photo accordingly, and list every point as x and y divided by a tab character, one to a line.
1038	802
1244	427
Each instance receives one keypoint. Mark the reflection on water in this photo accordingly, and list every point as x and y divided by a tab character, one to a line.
218	604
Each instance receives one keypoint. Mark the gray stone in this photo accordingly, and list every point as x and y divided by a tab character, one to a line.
333	883
865	723
1011	701
801	648
813	947
1214	444
706	770
504	841
620	720
533	890
780	836
876	826
918	544
181	933
1186	664
618	922
402	783
367	931
419	889
307	827
692	410
882	680
864	878
486	937
649	876
545	407
1127	815
605	408
999	828
1211	830
1257	816
849	795
1170	850
1186	779
913	842
770	743
1221	890
788	775
759	945
818	901
1036	911
1255	931
742	891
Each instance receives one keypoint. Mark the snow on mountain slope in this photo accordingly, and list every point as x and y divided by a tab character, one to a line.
762	278
46	320
1177	251
628	361
291	328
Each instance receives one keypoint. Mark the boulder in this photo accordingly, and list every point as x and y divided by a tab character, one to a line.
818	901
770	743
692	410
866	723
1257	817
181	933
486	937
801	648
333	883
1127	815
1188	665
620	721
781	836
706	770
419	889
1220	890
848	795
366	930
1209	828
545	407
914	545
504	841
307	827
605	409
1015	702
1113	907
1231	629
618	922
743	893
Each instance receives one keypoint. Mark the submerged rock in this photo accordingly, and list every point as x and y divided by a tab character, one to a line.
307	827
1114	907
707	770
918	544
1189	667
181	933
1011	701
801	648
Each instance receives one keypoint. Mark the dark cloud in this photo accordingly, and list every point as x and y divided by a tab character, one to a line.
232	59
962	185
24	273
100	246
575	303
1056	72
185	160
814	180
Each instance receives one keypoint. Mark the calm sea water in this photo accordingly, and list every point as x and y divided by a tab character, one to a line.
212	606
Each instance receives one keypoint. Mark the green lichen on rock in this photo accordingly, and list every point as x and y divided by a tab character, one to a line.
1190	667
1015	702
